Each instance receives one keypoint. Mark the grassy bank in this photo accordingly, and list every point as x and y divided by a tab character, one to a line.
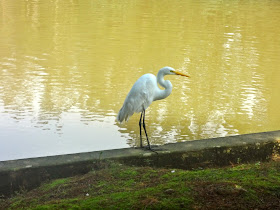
121	187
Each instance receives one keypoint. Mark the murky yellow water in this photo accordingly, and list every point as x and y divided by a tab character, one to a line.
66	67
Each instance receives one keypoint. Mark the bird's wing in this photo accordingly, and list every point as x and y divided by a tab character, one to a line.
139	97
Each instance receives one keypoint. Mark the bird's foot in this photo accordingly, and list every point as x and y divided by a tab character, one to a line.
153	148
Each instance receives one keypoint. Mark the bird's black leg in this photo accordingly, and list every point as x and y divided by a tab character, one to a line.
149	146
141	144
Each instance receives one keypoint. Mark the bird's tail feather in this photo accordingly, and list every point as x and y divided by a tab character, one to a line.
122	115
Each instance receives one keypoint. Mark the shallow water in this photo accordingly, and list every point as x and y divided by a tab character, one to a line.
66	67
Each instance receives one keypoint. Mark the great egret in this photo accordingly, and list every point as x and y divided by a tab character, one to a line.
144	91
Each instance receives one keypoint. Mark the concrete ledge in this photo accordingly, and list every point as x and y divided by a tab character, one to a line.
30	173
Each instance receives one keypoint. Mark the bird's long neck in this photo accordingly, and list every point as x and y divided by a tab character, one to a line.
161	94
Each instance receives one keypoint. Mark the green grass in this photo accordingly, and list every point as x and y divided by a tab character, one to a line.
55	183
246	186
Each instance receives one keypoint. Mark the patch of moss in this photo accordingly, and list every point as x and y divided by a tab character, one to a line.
55	183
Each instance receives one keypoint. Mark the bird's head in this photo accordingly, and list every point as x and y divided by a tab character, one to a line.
170	71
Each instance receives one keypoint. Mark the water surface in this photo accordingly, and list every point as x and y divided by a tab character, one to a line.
66	67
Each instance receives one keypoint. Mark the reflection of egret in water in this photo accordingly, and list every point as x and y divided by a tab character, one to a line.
144	91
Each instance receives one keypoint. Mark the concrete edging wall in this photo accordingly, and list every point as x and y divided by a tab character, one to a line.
30	173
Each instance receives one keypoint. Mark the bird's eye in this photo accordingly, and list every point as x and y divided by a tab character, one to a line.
171	71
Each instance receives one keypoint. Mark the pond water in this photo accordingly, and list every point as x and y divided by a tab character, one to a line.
67	66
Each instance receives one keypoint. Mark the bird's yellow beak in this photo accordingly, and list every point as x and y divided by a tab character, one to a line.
181	74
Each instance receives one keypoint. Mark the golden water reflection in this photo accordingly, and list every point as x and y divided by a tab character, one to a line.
66	67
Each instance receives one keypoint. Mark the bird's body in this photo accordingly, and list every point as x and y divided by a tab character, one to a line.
144	91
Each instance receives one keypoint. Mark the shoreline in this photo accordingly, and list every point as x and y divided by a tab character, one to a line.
223	151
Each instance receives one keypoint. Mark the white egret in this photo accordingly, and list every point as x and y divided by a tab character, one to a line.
144	91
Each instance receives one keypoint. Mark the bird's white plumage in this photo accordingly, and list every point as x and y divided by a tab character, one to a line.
144	91
139	98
